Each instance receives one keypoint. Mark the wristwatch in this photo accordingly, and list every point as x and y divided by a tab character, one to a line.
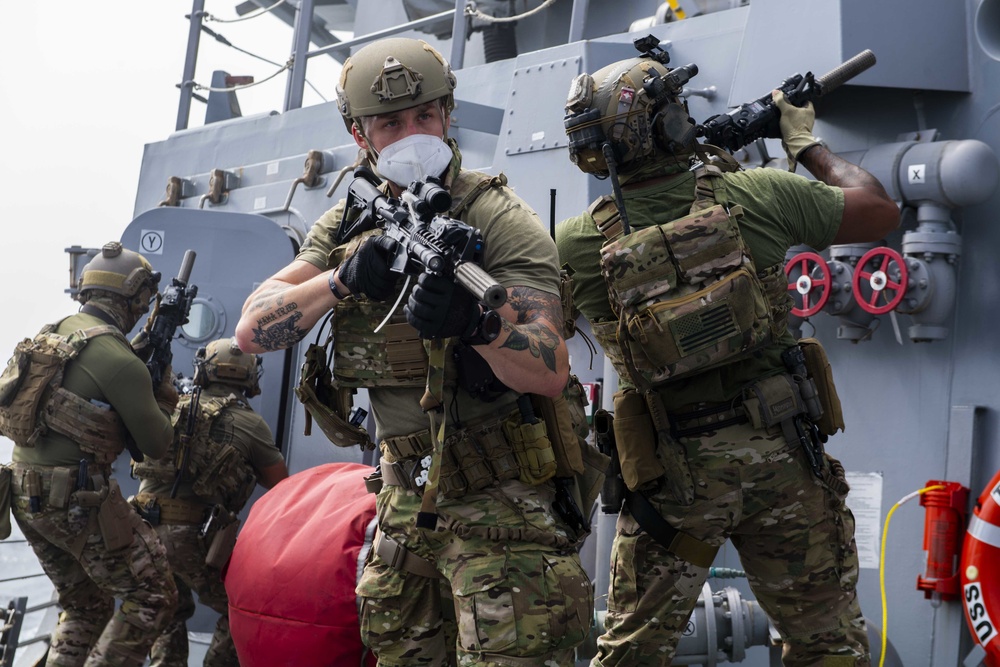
487	330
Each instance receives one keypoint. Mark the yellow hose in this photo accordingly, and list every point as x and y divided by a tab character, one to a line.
881	566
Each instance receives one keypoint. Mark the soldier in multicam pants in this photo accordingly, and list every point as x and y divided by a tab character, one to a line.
89	540
719	427
224	449
471	563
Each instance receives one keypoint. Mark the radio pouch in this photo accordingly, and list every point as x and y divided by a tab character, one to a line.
821	373
636	438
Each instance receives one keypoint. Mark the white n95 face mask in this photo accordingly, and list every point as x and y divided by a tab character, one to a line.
413	158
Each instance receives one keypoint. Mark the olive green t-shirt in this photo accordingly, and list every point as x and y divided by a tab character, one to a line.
238	426
518	253
106	371
780	209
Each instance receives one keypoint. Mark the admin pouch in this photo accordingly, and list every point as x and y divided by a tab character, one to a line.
821	373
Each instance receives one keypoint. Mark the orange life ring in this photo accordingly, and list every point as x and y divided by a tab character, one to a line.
980	571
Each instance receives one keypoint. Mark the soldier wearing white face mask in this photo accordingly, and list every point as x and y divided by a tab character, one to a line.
499	580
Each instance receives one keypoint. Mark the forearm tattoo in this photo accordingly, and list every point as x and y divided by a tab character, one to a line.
533	329
276	326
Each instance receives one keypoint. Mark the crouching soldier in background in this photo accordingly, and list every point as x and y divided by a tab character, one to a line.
69	398
221	450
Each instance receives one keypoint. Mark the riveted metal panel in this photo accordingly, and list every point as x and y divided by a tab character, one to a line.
537	97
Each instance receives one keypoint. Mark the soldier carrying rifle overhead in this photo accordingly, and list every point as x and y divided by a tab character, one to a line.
719	426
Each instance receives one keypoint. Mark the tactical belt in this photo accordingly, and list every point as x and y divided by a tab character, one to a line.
173	511
706	419
400	558
680	544
401	473
20	470
419	443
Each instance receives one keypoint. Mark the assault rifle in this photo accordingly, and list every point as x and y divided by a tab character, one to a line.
171	312
758	119
184	447
426	240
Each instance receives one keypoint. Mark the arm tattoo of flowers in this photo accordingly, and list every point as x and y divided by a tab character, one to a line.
533	330
281	333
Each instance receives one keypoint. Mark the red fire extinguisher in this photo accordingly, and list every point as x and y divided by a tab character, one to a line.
944	528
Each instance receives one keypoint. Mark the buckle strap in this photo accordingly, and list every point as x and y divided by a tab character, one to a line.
174	510
676	542
400	558
696	422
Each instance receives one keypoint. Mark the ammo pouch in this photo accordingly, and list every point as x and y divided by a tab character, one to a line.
115	517
822	375
327	404
220	548
536	458
5	499
636	438
554	412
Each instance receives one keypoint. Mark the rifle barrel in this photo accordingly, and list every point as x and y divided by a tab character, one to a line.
186	265
846	71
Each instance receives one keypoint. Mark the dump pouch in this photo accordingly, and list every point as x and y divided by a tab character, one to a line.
636	439
6	475
559	427
591	480
821	373
115	518
223	542
324	403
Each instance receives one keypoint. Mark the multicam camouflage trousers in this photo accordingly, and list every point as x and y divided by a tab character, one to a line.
90	632
514	592
795	538
186	553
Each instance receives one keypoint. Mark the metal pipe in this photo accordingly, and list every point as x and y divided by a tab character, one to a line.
458	36
190	60
577	20
379	34
300	47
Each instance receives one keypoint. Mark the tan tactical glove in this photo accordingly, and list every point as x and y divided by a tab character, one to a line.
166	394
796	127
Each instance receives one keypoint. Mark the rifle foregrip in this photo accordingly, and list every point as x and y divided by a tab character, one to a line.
481	285
846	71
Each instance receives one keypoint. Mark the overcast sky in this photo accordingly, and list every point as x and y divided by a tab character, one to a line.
84	87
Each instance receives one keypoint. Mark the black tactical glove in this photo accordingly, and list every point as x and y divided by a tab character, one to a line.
367	270
438	308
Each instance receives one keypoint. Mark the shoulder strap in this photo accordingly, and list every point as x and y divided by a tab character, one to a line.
467	188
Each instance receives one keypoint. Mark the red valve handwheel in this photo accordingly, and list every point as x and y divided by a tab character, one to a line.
806	284
879	280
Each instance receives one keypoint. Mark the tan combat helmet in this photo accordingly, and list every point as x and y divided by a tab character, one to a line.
223	361
633	106
391	75
118	271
